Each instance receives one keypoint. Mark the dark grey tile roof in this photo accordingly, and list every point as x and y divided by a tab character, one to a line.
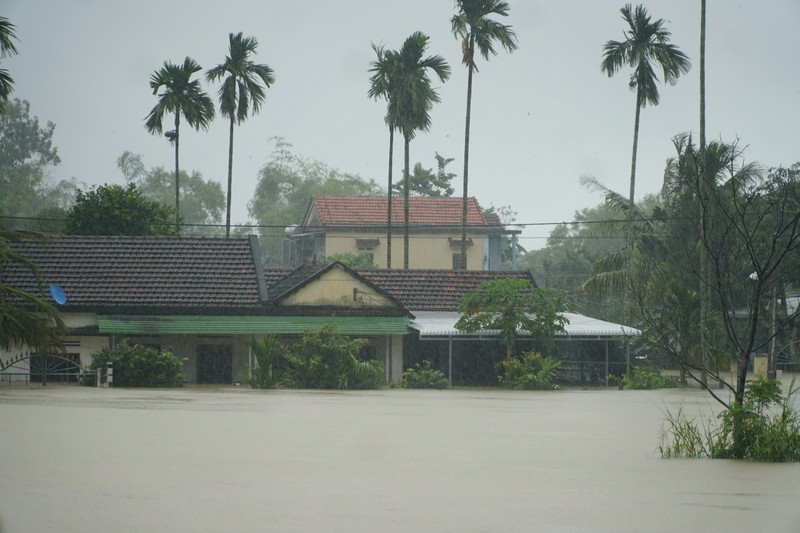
182	275
435	290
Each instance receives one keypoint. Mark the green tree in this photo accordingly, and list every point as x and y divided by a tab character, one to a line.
181	96
203	200
7	49
326	359
426	182
26	154
117	210
25	318
646	47
383	84
240	93
474	26
512	306
414	98
139	366
285	185
360	261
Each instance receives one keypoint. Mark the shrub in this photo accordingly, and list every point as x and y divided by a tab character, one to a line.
765	427
138	366
269	352
328	360
422	376
530	371
647	377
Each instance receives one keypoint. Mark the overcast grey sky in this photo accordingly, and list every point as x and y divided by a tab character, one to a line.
542	116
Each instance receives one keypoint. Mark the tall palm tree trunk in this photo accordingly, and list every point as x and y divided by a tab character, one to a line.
389	202
466	163
177	173
626	294
230	182
406	143
704	260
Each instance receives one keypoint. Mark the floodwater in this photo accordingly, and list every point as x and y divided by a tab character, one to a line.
234	459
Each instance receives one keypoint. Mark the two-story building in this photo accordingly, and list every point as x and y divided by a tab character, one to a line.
358	224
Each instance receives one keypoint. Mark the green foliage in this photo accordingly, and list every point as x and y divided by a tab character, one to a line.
25	318
7	48
285	185
426	182
202	202
422	376
139	366
269	352
26	154
530	371
116	210
241	92
326	359
765	427
362	261
646	377
512	305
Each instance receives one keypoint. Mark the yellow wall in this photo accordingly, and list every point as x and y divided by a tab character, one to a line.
426	250
337	288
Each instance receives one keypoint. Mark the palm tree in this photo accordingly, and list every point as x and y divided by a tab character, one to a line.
413	99
240	90
472	25
181	96
382	85
645	47
7	48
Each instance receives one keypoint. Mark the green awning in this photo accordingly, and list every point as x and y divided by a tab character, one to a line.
250	325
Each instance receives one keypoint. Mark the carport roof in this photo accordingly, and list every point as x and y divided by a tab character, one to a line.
432	324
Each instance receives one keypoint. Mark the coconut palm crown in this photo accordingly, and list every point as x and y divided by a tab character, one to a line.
181	96
241	92
474	24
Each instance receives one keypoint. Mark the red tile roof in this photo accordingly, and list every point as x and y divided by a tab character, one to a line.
371	211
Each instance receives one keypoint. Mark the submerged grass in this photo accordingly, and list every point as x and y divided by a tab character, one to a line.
766	427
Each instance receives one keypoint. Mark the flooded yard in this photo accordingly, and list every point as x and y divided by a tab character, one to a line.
234	459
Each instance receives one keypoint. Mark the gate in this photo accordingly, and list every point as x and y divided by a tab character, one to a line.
38	368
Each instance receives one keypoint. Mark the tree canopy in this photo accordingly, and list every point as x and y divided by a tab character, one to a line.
117	210
285	185
427	182
513	306
27	156
203	201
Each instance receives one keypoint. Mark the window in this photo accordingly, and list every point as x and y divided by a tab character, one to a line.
457	261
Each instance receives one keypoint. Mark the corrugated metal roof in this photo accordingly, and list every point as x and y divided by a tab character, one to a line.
442	324
249	325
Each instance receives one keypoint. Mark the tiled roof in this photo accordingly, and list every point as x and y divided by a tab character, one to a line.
435	290
371	211
145	274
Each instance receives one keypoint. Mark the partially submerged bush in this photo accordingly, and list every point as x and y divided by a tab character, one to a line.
422	376
765	427
268	372
530	371
139	366
328	360
646	377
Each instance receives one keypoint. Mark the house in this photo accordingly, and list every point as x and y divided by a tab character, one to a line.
202	298
589	349
357	224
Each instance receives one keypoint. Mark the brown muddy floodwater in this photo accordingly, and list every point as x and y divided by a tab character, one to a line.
114	460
